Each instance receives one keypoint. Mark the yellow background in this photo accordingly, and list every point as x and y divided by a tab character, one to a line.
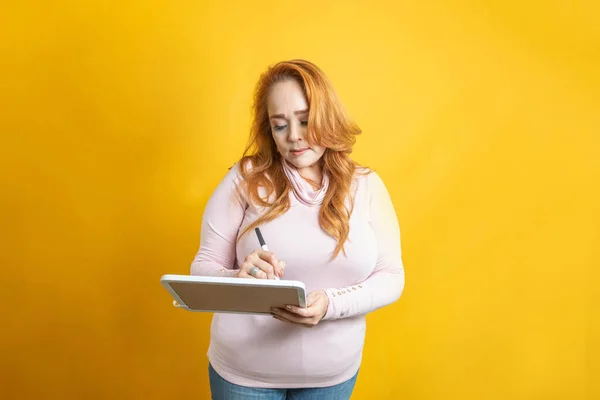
118	118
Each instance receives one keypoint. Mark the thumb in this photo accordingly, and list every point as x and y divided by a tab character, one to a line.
313	297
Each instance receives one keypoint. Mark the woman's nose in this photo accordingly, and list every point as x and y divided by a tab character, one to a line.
294	134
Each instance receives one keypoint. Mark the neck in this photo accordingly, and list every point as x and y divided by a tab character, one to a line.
313	174
302	179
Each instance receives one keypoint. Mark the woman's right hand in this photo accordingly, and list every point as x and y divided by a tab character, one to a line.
268	265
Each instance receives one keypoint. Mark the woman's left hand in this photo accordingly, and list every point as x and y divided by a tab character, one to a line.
317	304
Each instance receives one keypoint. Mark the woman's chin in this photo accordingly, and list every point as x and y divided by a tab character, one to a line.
301	162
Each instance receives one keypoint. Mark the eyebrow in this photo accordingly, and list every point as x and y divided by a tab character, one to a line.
283	116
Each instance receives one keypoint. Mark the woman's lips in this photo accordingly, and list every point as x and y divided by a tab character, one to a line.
299	152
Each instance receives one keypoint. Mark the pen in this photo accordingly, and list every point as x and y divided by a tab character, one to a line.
263	244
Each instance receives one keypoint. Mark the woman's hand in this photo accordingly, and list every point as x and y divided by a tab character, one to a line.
317	304
267	263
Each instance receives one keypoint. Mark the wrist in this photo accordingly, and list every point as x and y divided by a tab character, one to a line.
330	311
326	297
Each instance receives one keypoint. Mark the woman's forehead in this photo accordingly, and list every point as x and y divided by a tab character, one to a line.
286	98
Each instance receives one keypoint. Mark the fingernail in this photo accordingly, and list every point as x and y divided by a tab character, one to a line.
288	307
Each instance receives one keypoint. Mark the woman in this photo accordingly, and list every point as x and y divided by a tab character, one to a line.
328	222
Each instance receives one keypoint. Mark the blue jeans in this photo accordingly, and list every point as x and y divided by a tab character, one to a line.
224	390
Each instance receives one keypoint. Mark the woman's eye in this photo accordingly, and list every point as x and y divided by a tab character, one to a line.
279	127
304	123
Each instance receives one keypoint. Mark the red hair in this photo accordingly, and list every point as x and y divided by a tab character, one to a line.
328	126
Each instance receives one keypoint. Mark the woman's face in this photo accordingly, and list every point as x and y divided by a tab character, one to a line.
288	114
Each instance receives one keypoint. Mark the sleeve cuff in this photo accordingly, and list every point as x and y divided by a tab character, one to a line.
227	273
330	314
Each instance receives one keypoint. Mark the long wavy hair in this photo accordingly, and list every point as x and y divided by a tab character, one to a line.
328	126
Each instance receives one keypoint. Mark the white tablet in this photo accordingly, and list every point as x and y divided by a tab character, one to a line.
233	295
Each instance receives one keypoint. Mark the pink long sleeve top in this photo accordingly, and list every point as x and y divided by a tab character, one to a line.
260	351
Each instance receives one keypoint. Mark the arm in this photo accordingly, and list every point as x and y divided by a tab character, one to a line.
385	285
221	221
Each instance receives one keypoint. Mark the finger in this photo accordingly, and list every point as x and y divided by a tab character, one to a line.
299	318
272	260
265	267
247	270
280	265
287	321
259	274
305	323
281	268
253	260
281	317
302	312
244	274
277	317
315	296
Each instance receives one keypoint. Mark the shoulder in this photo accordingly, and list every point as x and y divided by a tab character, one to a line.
369	181
240	168
244	167
235	175
366	176
244	175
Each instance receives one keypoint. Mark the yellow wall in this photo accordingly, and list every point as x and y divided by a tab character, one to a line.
118	118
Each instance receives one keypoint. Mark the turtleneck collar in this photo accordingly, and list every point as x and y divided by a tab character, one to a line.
304	192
